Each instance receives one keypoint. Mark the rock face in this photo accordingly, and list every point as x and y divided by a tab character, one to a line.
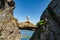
51	30
8	24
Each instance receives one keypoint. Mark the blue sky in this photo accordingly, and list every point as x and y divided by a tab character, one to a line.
32	8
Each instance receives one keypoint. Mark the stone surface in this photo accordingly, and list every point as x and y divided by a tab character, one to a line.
8	24
51	30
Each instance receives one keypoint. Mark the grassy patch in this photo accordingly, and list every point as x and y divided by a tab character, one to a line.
1	10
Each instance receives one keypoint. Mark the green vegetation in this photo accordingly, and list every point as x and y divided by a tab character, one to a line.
1	10
41	22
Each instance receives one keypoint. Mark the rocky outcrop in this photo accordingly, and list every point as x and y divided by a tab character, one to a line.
8	24
51	30
27	25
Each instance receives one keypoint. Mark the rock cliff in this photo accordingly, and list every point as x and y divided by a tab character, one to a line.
8	24
51	30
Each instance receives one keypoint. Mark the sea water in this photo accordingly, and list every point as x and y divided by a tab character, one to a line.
26	33
24	38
